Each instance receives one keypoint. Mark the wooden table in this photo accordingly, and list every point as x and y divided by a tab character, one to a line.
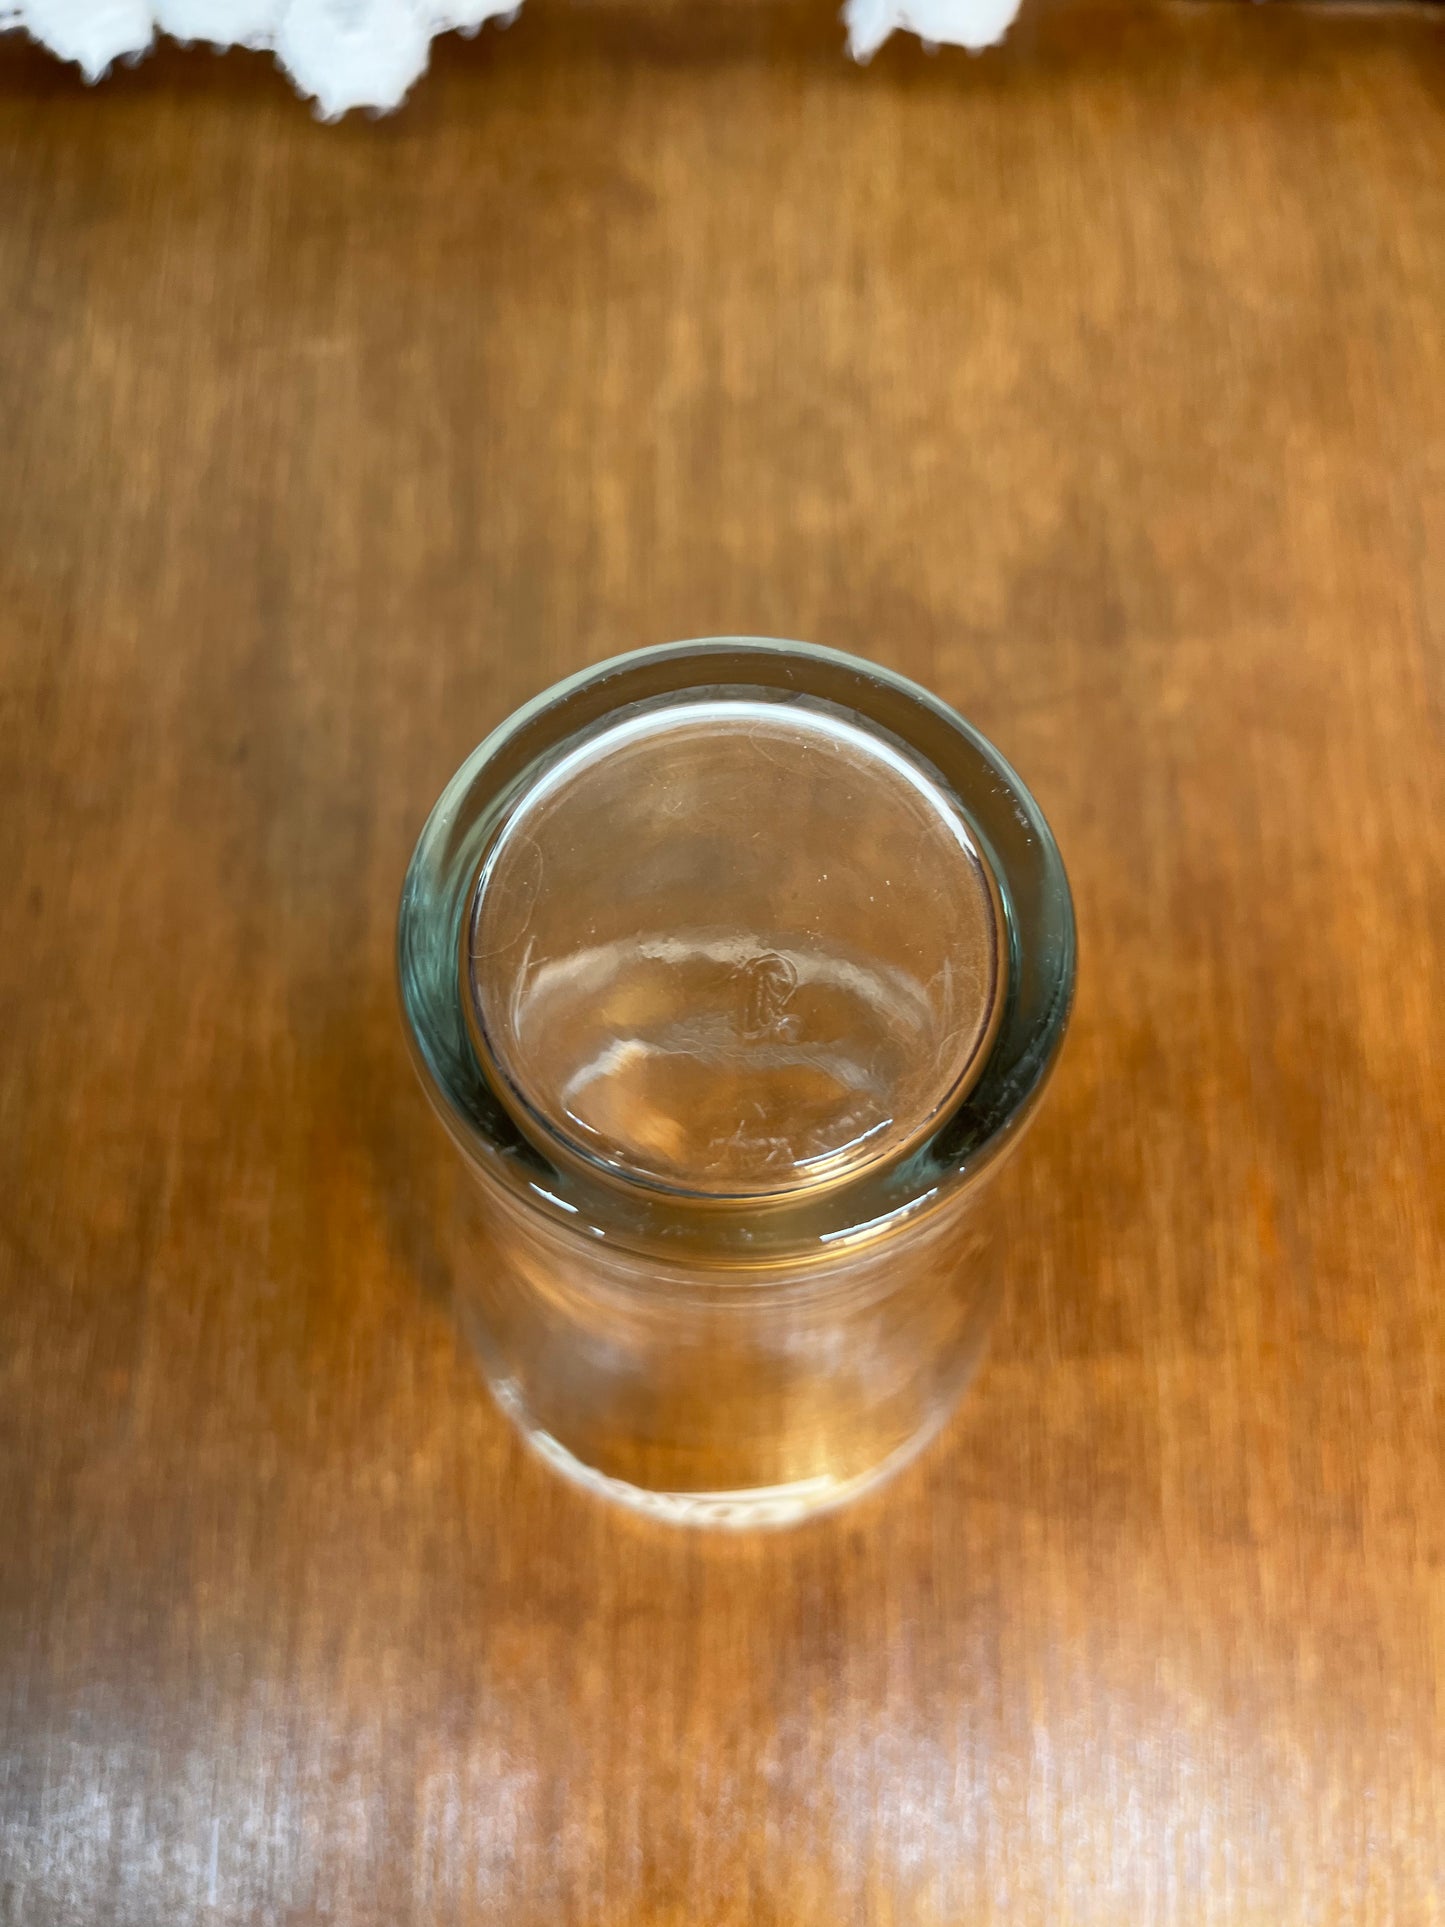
1099	383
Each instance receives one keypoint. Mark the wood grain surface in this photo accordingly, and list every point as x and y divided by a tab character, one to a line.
1099	383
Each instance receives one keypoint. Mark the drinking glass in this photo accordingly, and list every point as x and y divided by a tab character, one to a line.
734	969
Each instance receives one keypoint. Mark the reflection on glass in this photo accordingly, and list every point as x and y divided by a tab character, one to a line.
734	968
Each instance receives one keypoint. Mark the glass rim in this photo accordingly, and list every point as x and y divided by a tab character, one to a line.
961	1146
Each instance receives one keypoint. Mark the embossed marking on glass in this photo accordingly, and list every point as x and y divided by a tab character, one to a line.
734	968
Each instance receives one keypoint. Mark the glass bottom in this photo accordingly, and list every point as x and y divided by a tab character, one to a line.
758	1508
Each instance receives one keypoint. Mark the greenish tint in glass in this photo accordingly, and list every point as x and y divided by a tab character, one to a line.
745	884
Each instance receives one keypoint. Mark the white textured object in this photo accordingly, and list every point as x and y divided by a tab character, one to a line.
974	24
343	53
367	53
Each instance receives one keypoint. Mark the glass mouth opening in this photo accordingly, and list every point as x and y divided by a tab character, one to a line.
735	946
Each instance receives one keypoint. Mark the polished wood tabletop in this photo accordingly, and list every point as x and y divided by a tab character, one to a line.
1100	384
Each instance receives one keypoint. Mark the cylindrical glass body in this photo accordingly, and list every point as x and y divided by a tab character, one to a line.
734	969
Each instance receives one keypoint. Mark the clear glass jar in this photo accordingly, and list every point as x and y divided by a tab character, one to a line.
734	969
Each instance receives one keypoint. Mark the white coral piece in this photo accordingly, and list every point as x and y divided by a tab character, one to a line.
367	53
974	24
